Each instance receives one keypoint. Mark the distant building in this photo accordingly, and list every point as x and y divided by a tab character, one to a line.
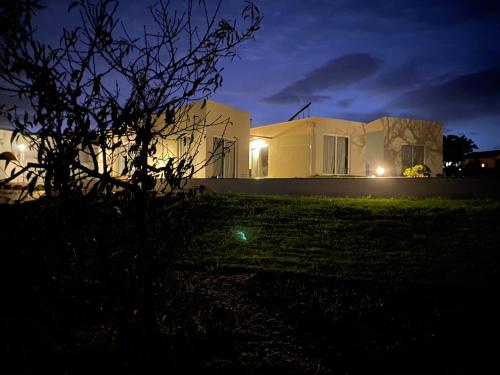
483	162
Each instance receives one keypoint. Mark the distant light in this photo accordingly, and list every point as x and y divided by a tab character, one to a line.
21	147
258	144
242	236
380	171
459	169
482	165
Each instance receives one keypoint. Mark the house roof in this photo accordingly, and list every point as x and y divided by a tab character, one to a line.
214	102
316	118
393	118
305	121
484	154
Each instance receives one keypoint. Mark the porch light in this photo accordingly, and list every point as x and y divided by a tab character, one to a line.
380	171
257	144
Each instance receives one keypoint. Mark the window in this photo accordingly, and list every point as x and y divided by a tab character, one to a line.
335	154
411	155
121	161
184	145
259	161
224	155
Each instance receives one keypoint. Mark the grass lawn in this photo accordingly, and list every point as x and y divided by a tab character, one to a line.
258	286
422	240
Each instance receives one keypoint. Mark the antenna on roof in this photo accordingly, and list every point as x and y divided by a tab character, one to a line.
300	111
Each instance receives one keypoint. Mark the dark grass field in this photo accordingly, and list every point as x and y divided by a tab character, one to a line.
253	285
426	240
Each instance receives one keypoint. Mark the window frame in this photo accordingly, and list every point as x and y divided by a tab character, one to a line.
336	135
235	166
412	153
251	161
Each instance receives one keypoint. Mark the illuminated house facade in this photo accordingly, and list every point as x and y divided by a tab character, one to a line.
221	138
227	144
308	147
19	148
314	146
399	143
222	146
214	134
319	146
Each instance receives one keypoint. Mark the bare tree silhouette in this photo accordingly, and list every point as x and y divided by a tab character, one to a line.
103	95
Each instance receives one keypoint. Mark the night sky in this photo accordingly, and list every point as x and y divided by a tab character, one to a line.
359	60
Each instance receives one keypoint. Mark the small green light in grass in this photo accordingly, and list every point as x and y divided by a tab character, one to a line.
242	236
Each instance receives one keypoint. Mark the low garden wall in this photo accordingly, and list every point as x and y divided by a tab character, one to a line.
382	187
358	187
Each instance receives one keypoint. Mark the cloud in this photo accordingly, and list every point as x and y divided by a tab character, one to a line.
345	103
336	73
405	76
8	101
464	97
359	116
427	13
284	97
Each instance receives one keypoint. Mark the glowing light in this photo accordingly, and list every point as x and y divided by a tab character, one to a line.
257	144
242	236
483	165
380	171
21	147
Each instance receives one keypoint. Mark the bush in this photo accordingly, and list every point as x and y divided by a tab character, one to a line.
419	170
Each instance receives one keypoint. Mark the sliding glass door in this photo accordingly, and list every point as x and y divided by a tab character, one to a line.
259	161
224	158
335	154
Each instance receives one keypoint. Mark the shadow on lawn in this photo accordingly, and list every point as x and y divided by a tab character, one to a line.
254	324
66	309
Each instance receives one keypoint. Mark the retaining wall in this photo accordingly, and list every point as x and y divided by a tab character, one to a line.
358	187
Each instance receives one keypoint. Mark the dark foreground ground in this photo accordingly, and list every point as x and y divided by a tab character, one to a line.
254	285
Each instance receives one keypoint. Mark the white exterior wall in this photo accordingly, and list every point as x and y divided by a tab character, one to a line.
221	120
296	147
21	149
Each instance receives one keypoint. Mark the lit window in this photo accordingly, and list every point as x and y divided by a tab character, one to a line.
259	155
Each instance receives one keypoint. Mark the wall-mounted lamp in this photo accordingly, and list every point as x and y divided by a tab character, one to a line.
257	144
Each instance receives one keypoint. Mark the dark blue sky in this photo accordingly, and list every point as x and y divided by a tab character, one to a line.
360	60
